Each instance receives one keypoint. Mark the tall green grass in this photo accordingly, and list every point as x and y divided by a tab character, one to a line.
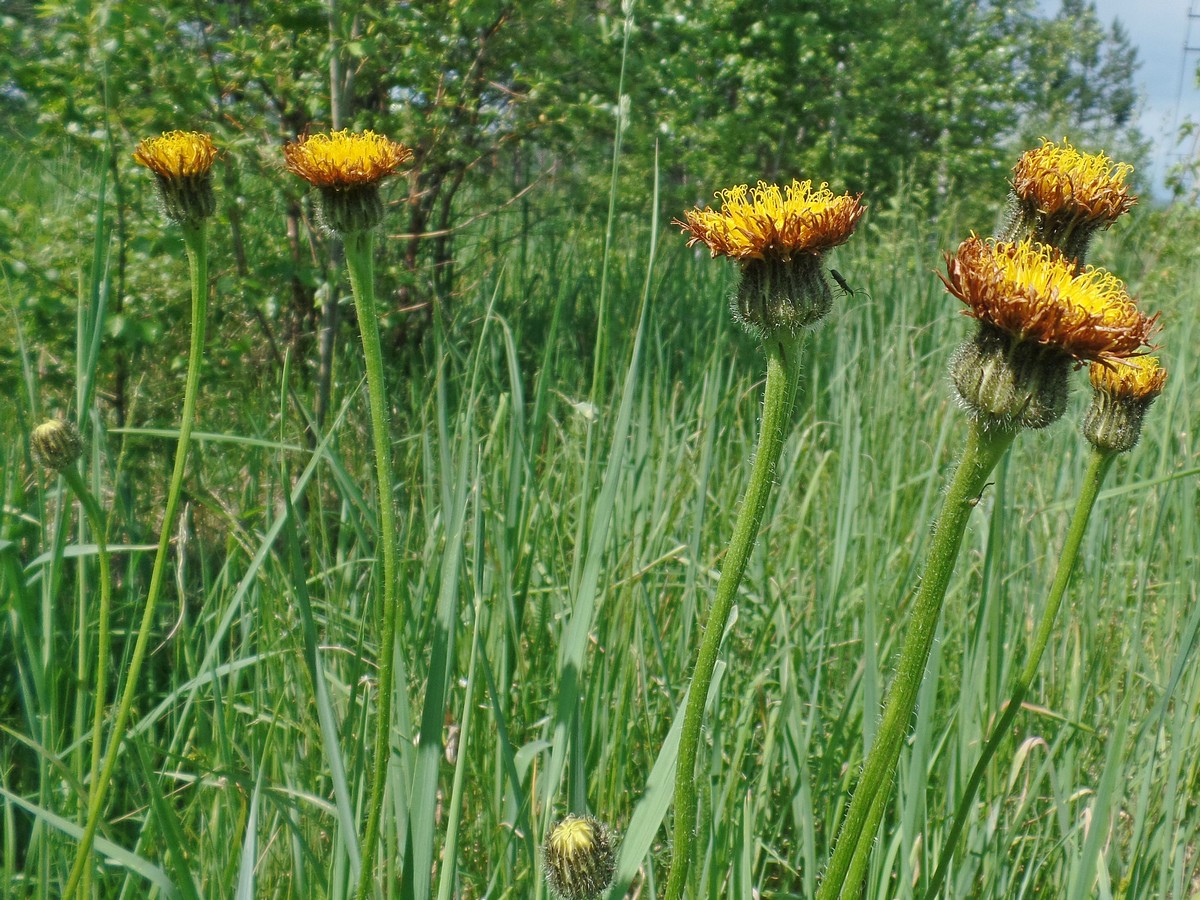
556	559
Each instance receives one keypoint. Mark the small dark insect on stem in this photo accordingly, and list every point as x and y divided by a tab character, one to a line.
842	283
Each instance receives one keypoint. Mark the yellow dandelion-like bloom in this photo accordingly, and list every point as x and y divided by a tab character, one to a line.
1062	182
341	159
1033	293
1139	378
767	222
182	165
177	154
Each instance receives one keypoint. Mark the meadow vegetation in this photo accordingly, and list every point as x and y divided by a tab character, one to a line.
573	416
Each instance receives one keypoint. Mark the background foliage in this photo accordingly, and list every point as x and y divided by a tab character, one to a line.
554	140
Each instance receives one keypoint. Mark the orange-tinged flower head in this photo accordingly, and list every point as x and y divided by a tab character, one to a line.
1035	294
341	159
1062	182
1138	378
1122	393
767	222
177	154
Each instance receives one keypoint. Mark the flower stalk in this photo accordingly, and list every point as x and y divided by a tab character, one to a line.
1121	395
346	169
360	266
778	236
779	394
986	444
1036	312
1098	467
196	246
57	446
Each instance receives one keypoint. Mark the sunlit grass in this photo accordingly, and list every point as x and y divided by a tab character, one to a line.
246	771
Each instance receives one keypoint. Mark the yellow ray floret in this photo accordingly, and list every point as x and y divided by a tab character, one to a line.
1033	293
341	159
177	154
1062	181
1137	378
766	222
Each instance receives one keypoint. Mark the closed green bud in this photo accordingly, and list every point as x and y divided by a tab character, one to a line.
1008	382
56	445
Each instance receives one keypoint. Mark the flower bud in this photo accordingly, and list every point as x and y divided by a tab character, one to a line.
579	858
1009	382
56	444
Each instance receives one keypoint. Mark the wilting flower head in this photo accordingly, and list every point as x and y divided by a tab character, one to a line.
579	858
1061	196
347	169
1121	394
1037	295
56	444
778	235
182	165
1037	313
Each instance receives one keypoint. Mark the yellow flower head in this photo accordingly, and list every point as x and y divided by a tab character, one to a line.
1033	293
579	858
572	835
767	222
1138	378
344	160
177	154
1061	181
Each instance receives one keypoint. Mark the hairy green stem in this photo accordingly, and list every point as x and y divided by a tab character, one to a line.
1098	467
360	266
97	522
195	242
783	373
843	877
